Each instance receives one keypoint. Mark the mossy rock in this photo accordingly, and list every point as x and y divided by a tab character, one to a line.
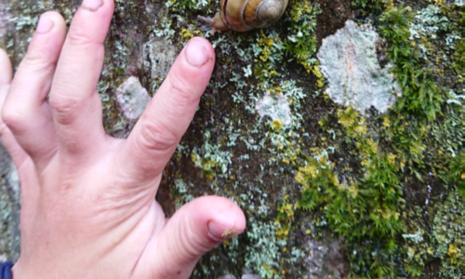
328	191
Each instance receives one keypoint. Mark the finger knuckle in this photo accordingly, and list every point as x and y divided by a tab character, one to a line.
157	137
37	57
78	35
194	244
182	93
14	119
64	108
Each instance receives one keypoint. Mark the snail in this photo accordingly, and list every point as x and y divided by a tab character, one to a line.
244	15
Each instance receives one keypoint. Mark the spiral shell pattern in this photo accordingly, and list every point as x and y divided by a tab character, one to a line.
244	15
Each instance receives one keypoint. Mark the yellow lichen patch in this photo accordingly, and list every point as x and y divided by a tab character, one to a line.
276	124
266	43
453	250
308	170
320	79
186	34
386	122
361	129
347	117
351	189
300	8
391	158
207	166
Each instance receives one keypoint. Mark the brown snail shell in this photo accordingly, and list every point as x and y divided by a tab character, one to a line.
244	15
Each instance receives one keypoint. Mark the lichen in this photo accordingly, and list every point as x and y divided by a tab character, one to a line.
349	62
132	98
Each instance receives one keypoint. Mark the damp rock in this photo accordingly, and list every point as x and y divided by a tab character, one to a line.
348	60
132	98
277	108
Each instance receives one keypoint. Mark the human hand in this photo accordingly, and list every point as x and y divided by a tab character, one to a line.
88	200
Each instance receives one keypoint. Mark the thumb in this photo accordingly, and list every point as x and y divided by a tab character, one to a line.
195	229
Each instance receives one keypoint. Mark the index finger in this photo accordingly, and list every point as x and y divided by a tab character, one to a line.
169	114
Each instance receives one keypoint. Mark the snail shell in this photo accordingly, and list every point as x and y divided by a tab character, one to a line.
244	15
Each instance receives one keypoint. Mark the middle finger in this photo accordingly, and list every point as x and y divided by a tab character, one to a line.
76	106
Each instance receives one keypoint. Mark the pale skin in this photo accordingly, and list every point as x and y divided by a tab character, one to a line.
88	200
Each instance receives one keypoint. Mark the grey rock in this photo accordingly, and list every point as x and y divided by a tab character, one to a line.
229	276
10	204
251	276
132	98
324	259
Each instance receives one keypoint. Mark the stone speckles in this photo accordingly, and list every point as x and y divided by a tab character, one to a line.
349	62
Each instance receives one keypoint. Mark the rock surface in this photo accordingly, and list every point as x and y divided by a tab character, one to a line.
328	192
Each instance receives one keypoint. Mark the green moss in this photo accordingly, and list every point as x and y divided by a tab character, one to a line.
459	57
370	6
421	95
456	174
301	43
365	211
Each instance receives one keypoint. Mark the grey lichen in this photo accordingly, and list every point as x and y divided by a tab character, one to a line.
132	98
277	108
159	55
349	61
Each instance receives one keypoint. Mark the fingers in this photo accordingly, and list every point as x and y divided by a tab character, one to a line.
76	106
195	229
156	135
6	74
26	111
22	161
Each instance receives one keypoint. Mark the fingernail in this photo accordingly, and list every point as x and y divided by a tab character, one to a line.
196	53
220	232
92	5
44	25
